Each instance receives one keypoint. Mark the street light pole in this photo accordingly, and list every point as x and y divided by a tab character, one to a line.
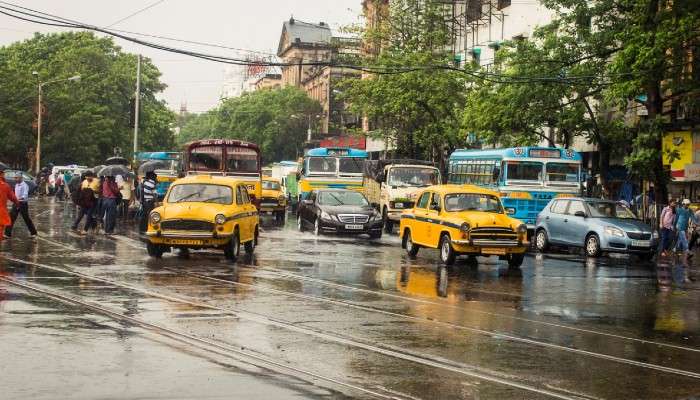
136	105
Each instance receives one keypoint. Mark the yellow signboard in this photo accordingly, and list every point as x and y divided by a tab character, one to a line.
679	147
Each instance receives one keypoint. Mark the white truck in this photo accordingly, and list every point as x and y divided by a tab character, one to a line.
391	185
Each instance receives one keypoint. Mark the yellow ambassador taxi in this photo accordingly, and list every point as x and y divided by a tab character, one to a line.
463	219
203	211
273	199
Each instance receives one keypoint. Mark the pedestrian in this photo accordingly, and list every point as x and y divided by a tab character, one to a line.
6	193
58	184
666	224
21	207
127	191
110	197
67	176
148	199
683	218
86	200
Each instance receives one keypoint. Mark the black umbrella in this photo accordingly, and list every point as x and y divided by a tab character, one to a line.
114	170
117	161
153	165
96	169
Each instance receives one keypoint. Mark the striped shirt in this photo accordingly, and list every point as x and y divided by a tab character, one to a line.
149	189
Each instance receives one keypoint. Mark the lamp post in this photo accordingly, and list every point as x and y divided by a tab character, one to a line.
39	112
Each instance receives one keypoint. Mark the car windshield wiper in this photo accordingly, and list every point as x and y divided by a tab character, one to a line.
187	197
211	200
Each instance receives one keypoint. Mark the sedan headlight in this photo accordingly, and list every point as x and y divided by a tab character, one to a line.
522	228
611	230
326	216
376	217
220	219
655	234
465	227
155	218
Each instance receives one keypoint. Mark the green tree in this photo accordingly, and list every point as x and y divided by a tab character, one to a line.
418	111
274	119
86	120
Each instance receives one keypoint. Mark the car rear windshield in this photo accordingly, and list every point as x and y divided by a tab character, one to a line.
200	193
473	202
607	209
342	199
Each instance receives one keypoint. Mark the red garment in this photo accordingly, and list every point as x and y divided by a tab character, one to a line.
6	193
110	190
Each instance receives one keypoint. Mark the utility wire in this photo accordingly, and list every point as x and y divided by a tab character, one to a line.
135	13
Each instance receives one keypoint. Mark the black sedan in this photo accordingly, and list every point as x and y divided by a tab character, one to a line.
339	211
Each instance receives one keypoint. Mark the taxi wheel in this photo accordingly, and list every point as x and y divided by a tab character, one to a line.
592	245
154	250
515	260
250	246
300	224
233	248
541	240
411	248
447	253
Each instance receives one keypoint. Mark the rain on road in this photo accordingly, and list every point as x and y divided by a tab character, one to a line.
330	317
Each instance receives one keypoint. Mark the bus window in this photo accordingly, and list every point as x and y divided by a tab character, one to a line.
241	159
322	165
524	171
562	172
350	165
206	158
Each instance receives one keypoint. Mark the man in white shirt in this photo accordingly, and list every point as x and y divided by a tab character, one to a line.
22	194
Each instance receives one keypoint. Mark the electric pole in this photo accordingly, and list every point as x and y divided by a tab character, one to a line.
136	105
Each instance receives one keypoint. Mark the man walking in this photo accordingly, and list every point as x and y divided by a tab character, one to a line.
666	223
21	207
683	218
85	199
148	199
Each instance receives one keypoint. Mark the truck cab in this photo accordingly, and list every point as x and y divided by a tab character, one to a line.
391	185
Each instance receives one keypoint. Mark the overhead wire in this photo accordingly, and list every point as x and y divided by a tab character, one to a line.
135	13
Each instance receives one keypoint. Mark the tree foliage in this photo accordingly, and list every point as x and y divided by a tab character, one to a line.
85	121
419	112
275	119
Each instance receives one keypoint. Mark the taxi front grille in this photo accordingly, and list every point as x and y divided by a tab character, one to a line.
493	234
187	225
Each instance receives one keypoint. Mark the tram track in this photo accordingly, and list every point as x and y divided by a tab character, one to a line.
344	340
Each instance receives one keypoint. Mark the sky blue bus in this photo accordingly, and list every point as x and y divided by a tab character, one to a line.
331	167
527	177
168	170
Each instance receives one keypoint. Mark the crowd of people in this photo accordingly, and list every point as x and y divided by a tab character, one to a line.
100	201
680	228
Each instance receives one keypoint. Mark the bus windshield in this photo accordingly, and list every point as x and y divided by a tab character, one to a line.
241	159
562	172
524	171
323	165
206	158
350	165
412	176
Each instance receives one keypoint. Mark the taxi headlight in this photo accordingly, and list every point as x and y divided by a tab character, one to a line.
522	228
613	231
465	227
155	218
220	219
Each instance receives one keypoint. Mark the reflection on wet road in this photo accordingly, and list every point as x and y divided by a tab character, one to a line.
334	317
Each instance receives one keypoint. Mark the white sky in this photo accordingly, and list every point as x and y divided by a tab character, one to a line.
253	25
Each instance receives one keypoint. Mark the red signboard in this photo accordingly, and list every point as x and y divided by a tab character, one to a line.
355	142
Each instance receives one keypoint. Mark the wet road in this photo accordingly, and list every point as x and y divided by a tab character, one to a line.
306	317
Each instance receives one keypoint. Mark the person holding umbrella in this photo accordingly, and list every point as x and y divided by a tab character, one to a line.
148	199
6	194
110	197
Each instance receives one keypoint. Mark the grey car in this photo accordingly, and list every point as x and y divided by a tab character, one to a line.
595	225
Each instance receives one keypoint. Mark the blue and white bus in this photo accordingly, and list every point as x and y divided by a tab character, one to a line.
527	177
331	167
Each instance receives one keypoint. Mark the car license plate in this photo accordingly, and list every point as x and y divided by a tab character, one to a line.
493	251
641	243
398	205
185	242
354	227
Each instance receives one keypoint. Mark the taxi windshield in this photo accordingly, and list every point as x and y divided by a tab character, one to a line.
342	199
200	193
473	202
270	185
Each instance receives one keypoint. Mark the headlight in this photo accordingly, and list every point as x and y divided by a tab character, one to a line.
155	217
220	219
522	228
325	215
465	227
655	234
376	217
611	230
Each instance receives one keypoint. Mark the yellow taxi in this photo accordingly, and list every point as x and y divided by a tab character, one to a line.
203	211
463	219
273	199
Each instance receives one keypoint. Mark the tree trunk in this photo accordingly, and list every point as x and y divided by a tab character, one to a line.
604	165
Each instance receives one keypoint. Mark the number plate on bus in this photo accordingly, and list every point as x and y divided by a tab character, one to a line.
493	251
641	243
353	227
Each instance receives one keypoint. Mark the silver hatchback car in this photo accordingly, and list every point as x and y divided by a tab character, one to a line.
596	225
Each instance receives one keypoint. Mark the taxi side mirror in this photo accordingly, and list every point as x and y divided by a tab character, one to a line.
510	211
